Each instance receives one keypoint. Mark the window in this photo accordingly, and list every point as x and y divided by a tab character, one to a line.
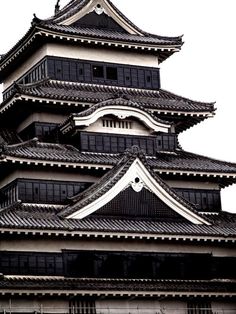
116	124
80	306
199	308
98	71
111	73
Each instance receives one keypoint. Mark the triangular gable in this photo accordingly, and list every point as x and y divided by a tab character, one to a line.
132	171
106	14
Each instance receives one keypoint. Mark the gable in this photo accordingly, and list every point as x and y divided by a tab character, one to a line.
95	12
130	172
143	204
102	21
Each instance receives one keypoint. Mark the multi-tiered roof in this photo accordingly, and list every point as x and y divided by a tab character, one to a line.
125	166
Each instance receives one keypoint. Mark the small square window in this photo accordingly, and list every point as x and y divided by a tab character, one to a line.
111	73
98	71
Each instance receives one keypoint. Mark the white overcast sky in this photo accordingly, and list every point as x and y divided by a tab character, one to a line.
204	70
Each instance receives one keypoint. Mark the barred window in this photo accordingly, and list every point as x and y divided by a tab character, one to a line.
199	308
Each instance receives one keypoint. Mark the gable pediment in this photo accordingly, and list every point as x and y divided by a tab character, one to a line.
99	14
132	173
101	21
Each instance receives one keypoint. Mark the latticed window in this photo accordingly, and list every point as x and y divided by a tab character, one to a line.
82	306
199	308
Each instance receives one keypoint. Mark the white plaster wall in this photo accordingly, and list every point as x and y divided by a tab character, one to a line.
137	128
224	307
41	117
58	305
127	306
193	184
102	54
25	66
80	52
106	245
140	307
28	305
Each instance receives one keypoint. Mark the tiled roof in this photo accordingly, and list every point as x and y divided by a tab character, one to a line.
187	161
113	35
36	150
8	136
179	161
40	217
75	6
131	285
90	93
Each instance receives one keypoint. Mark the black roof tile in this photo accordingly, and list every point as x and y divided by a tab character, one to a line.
41	217
90	93
131	285
179	160
8	136
113	35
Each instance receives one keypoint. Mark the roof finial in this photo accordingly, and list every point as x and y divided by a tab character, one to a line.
57	7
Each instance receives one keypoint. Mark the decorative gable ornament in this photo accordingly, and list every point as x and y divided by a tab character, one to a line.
99	9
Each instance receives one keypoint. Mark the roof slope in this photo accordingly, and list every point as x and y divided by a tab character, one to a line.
178	161
40	218
91	93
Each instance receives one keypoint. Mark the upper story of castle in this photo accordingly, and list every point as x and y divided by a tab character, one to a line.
87	41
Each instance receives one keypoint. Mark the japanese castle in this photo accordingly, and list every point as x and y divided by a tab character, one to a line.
101	210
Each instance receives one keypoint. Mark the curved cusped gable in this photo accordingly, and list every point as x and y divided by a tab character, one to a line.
132	171
120	108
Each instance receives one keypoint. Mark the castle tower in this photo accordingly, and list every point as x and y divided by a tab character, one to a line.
101	210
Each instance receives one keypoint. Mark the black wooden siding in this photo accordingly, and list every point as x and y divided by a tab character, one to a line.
40	191
205	200
143	204
42	131
118	143
129	203
103	264
102	21
75	70
36	73
84	71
